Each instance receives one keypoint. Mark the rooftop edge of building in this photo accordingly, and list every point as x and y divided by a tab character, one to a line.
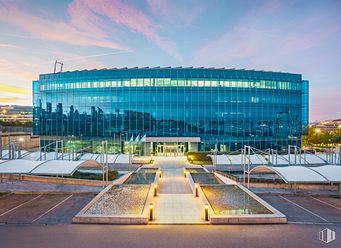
217	73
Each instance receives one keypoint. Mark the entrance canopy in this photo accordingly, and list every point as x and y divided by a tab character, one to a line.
173	139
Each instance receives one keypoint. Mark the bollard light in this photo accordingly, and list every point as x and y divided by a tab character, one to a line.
185	173
196	187
155	189
159	173
151	207
206	212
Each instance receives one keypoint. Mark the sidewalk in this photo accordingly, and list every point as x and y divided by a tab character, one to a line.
175	203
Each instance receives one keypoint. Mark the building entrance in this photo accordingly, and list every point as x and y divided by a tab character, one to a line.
170	150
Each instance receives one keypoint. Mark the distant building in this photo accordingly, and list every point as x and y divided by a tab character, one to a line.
171	111
11	113
328	126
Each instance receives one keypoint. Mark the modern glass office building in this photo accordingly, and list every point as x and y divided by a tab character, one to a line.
167	111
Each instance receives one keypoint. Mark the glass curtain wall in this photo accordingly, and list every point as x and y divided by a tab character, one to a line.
231	108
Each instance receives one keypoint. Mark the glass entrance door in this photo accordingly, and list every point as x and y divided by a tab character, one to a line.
170	150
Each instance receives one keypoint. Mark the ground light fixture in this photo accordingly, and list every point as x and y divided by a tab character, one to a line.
159	173
151	208
196	187
155	189
206	212
191	158
185	173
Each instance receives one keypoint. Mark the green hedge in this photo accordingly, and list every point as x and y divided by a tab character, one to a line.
199	157
93	176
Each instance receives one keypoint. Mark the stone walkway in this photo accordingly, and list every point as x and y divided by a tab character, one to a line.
175	203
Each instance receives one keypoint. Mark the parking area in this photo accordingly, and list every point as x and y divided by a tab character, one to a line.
307	209
41	209
60	208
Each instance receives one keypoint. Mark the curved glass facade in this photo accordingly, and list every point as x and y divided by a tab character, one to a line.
227	107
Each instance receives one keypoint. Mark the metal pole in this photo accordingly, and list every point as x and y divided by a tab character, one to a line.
215	156
0	144
55	150
9	146
62	146
289	152
248	168
244	163
107	166
102	162
304	156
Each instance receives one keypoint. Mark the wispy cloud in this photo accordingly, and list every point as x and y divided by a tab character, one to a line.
177	12
59	31
11	94
5	100
271	38
5	88
259	41
6	45
17	70
124	15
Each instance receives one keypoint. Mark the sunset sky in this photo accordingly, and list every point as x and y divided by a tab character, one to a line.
290	36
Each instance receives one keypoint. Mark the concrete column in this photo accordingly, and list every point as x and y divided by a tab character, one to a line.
146	148
194	147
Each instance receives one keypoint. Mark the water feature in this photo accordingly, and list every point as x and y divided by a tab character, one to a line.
230	199
140	178
205	178
195	170
120	200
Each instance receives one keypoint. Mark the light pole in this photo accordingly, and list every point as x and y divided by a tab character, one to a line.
21	140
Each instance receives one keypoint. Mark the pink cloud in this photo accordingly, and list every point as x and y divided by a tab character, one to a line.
171	12
125	15
53	30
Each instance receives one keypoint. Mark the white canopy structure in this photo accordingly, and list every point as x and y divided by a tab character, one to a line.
123	159
111	158
18	166
60	167
89	156
279	160
328	157
51	167
220	159
255	159
236	159
5	153
331	172
313	159
302	174
36	156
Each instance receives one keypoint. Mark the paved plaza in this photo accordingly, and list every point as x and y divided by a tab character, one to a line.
44	219
175	203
